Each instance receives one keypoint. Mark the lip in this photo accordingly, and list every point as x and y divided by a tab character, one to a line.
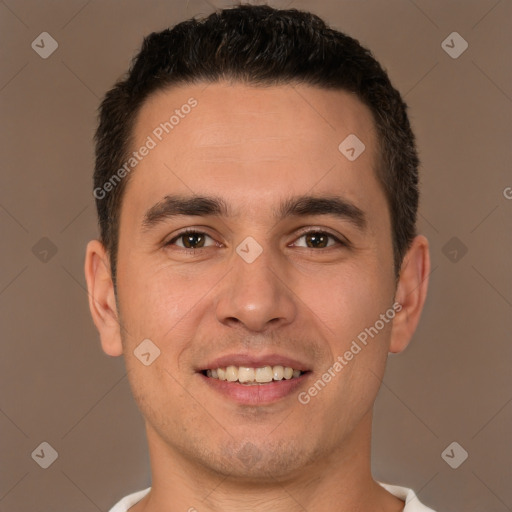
263	394
253	361
256	394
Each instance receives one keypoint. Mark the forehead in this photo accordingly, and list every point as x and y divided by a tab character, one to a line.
253	140
250	116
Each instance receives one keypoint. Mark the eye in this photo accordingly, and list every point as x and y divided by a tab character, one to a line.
314	239
190	240
318	240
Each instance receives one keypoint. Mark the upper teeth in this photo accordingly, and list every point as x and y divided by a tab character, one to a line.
245	374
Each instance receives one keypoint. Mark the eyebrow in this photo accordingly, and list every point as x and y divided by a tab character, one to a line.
299	206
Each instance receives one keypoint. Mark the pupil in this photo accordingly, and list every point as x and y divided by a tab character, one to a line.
317	240
191	240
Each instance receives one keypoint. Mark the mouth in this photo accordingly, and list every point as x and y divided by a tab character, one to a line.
254	381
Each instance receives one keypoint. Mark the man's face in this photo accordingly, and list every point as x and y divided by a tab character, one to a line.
211	300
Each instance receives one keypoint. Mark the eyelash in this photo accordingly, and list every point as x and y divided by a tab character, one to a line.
188	231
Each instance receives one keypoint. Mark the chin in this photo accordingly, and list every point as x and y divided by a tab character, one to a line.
253	461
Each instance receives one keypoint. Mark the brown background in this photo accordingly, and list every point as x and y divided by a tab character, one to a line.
452	384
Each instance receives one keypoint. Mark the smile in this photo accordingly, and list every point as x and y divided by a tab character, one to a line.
253	376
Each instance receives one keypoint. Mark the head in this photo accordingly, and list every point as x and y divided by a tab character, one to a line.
263	100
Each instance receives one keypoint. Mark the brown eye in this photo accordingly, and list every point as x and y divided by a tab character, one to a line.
192	240
318	240
189	240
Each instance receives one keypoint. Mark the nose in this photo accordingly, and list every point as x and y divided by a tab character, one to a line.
256	296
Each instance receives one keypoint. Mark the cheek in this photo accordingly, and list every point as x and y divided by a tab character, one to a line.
161	304
348	310
347	301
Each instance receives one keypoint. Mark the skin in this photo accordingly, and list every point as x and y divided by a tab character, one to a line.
254	147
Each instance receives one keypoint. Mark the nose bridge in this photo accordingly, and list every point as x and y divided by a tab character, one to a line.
253	294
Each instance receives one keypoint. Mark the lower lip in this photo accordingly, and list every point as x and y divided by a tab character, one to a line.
258	394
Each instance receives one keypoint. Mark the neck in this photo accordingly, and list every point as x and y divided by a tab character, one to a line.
340	482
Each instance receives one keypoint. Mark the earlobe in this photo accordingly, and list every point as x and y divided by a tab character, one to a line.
411	293
102	300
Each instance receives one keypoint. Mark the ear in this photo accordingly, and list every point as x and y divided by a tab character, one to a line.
102	300
411	293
